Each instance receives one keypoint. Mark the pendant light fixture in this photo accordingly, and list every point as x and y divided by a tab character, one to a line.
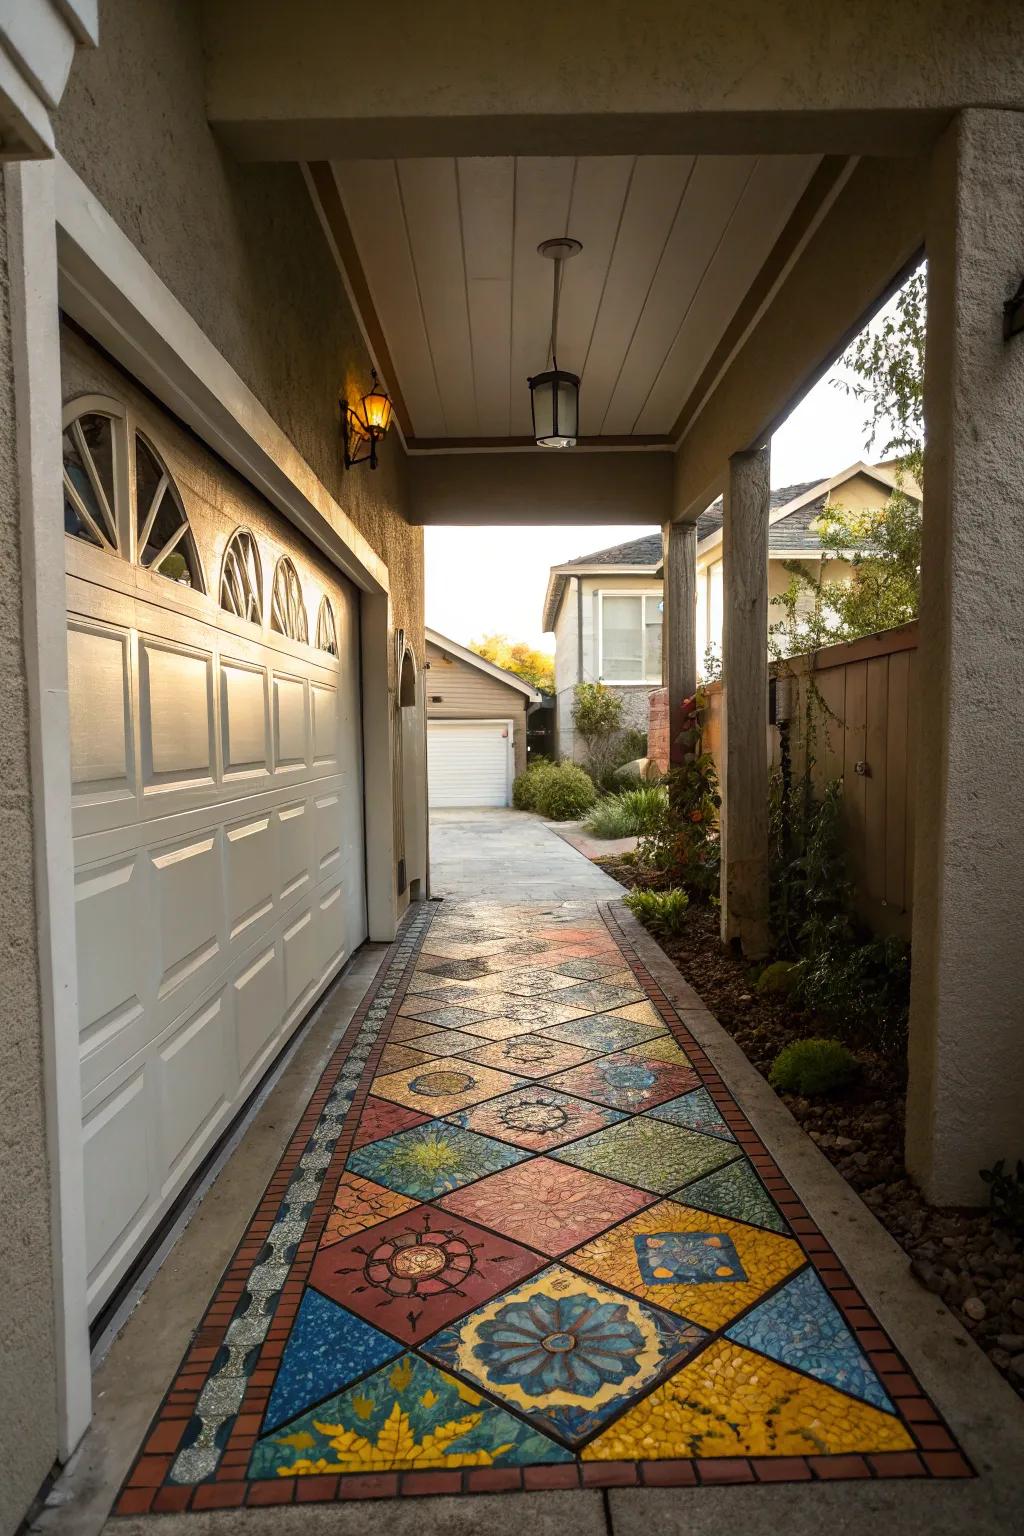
555	395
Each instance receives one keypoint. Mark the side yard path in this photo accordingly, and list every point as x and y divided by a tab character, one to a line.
525	1238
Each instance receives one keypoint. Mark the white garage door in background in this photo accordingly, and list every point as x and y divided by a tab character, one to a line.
469	762
218	841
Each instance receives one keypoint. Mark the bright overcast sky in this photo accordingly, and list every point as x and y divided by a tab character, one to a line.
491	580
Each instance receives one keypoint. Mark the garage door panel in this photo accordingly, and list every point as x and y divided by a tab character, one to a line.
327	819
468	763
259	1008
177	715
117	1174
324	703
299	958
99	703
330	930
188	904
295	848
193	1086
111	912
290	734
245	741
250	868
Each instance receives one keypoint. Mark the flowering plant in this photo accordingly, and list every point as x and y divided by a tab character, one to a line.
685	847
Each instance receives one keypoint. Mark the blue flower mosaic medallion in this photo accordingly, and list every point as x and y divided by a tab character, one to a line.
565	1350
682	1258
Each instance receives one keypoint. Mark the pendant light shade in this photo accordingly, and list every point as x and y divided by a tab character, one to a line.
555	394
555	401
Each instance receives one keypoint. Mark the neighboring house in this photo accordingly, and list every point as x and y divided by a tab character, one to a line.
791	537
606	609
476	726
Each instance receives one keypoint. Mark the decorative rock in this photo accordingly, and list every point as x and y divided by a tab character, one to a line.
975	1308
1012	1342
1016	1367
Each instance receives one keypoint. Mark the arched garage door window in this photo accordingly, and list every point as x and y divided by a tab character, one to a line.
120	496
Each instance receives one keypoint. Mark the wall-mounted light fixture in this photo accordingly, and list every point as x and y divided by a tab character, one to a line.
555	395
365	426
1013	314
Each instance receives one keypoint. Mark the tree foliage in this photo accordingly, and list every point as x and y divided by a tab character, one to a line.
882	546
534	667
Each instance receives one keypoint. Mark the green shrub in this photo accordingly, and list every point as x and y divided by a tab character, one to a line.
565	792
813	1067
779	978
526	785
628	814
663	912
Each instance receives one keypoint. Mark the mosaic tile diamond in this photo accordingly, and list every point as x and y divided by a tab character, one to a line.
431	1159
416	1272
565	1351
512	1237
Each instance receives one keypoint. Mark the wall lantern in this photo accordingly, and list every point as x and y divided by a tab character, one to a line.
1013	314
365	427
555	395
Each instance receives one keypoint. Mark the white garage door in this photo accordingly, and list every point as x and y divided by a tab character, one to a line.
216	769
469	762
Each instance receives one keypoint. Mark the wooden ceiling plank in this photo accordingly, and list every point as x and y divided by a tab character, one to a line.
486	199
369	193
711	196
766	204
542	195
598	197
431	202
655	190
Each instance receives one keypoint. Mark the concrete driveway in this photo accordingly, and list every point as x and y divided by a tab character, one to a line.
509	856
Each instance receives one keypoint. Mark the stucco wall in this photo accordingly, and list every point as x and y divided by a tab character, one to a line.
241	248
28	1412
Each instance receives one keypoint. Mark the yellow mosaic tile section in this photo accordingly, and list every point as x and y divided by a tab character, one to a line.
641	1013
440	1086
765	1257
660	1048
732	1402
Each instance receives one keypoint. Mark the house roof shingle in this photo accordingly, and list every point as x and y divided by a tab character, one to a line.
644	551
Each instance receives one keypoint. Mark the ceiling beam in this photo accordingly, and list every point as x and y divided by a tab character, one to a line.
329	80
541	487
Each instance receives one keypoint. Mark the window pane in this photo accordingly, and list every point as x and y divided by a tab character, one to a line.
97	433
622	639
652	638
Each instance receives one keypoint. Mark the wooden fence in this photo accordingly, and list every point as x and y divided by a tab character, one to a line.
862	733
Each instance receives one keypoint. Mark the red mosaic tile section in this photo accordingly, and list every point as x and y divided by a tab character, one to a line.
144	1491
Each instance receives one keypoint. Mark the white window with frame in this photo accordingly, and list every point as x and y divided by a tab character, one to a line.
629	637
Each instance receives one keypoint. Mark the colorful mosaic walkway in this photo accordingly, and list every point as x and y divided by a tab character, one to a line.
524	1238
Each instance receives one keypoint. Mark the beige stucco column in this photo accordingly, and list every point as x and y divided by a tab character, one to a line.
744	882
966	1100
679	545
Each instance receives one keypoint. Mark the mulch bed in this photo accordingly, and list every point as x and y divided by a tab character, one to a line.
976	1267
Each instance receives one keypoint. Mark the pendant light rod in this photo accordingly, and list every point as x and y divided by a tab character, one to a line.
558	251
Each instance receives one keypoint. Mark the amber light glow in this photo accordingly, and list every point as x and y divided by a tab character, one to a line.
368	424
